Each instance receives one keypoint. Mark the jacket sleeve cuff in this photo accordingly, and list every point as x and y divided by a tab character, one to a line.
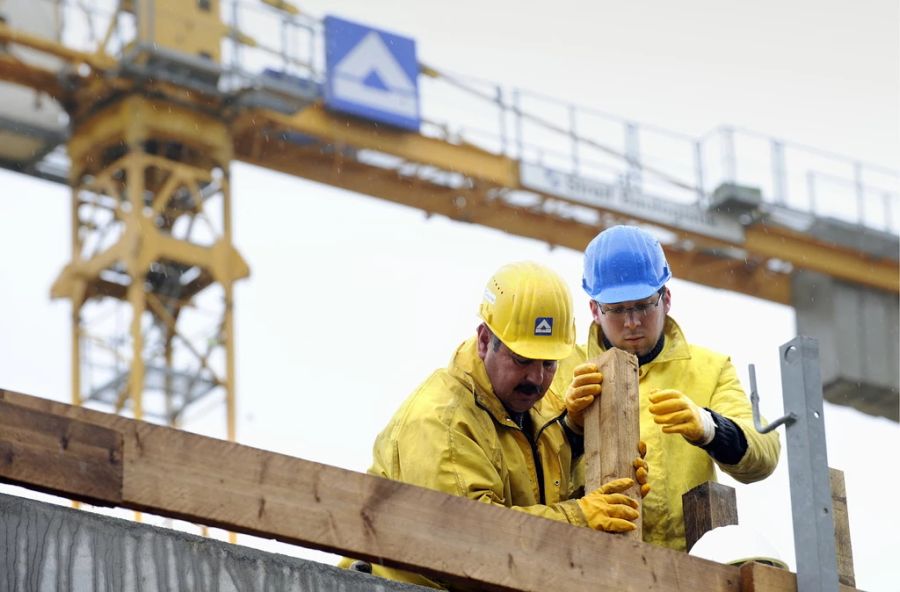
571	426
573	513
729	444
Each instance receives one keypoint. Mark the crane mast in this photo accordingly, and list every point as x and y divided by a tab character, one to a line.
152	270
151	228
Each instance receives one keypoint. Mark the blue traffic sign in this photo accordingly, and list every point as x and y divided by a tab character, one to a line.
371	74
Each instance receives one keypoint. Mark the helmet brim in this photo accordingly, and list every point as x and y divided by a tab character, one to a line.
551	351
625	293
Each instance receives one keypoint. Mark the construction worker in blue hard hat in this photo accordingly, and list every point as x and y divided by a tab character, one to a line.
694	414
481	428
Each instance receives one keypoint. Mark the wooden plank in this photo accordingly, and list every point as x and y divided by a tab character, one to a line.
59	455
707	506
757	577
842	545
243	489
612	426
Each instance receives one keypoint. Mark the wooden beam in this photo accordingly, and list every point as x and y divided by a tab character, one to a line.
60	455
707	506
224	484
757	577
842	545
612	427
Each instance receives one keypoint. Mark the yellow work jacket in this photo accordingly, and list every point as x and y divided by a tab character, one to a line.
676	466
454	435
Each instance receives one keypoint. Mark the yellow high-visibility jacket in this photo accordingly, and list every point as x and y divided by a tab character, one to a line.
676	466
454	435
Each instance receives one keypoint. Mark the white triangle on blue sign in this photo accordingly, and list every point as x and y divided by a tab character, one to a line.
543	326
353	72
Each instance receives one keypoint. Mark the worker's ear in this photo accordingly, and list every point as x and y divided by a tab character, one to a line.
595	311
484	340
667	300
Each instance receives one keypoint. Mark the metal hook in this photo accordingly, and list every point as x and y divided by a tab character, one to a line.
754	401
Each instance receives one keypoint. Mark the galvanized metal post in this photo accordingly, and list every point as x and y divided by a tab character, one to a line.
801	383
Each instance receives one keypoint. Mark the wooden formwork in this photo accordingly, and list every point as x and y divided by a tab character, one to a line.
111	460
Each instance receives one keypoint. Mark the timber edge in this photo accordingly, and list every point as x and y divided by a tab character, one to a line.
103	458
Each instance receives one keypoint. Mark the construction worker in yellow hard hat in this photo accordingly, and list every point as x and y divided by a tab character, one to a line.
694	414
481	428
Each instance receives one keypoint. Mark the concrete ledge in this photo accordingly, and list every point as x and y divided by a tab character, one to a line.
44	547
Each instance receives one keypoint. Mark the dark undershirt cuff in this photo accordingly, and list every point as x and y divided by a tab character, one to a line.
729	444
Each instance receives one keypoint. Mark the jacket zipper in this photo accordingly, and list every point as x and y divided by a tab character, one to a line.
537	459
539	469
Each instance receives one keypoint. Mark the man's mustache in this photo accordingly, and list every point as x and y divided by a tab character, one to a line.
528	388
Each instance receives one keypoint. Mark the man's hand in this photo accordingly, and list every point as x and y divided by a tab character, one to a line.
610	510
586	385
679	415
641	469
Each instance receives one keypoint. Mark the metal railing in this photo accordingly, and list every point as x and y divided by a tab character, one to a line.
537	129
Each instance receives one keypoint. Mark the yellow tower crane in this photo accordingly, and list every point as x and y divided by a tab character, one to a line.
154	110
153	265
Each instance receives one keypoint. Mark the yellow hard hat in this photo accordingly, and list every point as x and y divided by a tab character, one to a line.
529	308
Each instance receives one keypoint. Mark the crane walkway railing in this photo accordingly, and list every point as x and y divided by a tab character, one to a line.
538	130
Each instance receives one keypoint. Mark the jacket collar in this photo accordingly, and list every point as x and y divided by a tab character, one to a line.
675	348
467	367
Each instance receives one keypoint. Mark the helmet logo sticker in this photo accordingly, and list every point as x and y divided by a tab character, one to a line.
543	326
489	296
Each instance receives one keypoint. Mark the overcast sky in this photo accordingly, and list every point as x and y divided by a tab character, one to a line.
352	301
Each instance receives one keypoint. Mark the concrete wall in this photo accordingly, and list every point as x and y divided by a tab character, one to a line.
49	548
858	330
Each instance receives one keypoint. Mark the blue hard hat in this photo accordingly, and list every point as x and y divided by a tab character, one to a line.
624	263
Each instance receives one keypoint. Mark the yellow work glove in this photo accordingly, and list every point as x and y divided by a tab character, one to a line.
610	510
586	385
642	469
677	414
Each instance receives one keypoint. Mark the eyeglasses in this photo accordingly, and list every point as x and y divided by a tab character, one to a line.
640	310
